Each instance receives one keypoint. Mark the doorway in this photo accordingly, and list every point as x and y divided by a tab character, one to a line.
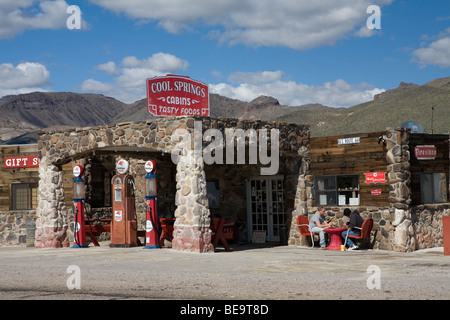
266	206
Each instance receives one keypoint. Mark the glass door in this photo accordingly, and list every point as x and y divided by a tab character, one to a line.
265	206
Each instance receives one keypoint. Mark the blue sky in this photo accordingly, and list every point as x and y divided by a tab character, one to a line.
296	51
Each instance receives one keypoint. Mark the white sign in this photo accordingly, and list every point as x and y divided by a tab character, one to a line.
349	140
77	171
150	166
122	166
259	236
118	215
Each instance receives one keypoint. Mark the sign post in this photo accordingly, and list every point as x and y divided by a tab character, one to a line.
177	96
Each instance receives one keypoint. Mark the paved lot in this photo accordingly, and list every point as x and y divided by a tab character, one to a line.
249	272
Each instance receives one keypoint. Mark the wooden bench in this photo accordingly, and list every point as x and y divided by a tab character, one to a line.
94	230
223	230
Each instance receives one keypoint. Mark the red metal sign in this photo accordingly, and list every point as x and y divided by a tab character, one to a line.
425	152
375	177
375	192
21	162
175	96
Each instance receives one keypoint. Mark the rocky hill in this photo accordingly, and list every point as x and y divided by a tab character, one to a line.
28	113
406	103
22	116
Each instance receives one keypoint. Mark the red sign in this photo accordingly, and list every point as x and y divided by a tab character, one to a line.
174	96
21	162
425	152
375	177
375	192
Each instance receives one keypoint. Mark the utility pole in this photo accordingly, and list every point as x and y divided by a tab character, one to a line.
432	117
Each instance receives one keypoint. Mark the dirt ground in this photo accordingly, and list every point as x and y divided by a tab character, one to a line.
249	272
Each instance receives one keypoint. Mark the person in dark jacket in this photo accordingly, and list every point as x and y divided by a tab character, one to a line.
355	221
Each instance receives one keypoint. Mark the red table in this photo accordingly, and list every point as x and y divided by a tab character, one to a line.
336	238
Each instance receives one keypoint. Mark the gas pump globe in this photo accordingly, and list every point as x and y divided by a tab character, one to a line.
151	226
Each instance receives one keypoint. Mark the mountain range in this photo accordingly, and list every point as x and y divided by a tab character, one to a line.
23	116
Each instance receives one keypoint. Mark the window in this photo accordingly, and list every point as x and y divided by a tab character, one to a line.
337	190
23	196
213	194
433	187
99	193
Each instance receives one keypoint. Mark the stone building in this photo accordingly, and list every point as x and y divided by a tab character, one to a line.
236	159
196	183
19	178
399	178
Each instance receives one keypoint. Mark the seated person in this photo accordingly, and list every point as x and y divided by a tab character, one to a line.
318	223
355	221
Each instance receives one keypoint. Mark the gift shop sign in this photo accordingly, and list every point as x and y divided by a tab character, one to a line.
175	96
425	152
21	162
375	177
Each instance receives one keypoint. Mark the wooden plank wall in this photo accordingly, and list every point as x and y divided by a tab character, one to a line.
16	175
329	158
438	165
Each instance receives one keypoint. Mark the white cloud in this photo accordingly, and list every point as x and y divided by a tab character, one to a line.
17	16
295	24
255	77
23	78
160	61
436	53
128	83
333	94
94	86
109	67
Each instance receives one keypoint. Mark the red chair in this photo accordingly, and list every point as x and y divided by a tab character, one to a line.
366	229
166	229
303	227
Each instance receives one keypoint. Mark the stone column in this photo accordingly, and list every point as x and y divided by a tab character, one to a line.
192	227
399	175
51	224
303	194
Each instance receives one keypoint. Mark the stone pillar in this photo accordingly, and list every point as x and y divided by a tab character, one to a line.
192	226
303	196
399	175
51	224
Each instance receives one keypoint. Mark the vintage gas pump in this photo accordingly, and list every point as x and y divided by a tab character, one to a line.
79	230
123	224
151	226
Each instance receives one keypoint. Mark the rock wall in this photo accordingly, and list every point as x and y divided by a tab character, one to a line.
426	222
14	227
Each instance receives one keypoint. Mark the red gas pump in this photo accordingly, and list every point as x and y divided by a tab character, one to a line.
123	224
79	230
151	226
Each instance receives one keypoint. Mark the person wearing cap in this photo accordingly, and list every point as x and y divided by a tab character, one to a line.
318	223
355	220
